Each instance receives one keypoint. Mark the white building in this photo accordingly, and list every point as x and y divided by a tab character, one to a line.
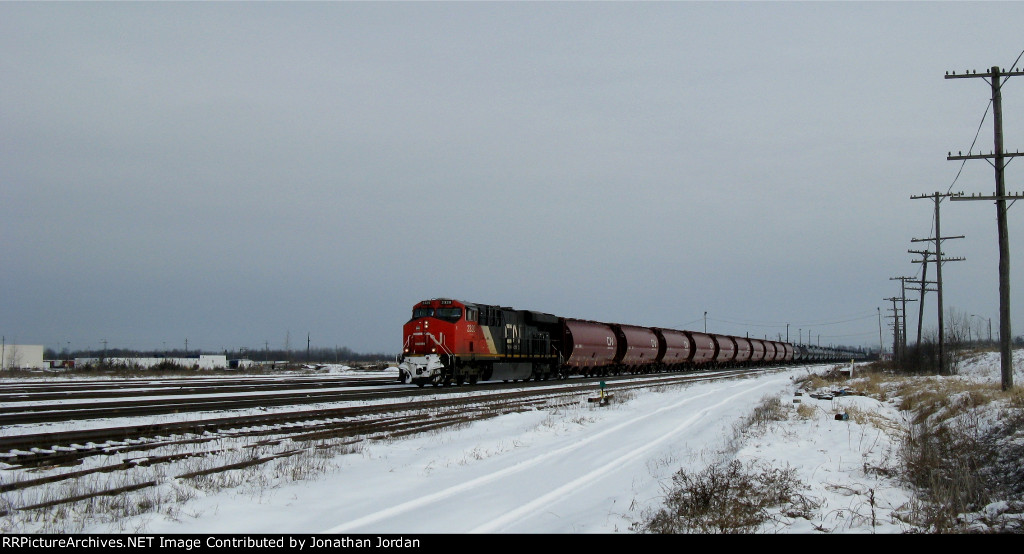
22	356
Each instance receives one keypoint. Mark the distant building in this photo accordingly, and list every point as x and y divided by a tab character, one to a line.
22	356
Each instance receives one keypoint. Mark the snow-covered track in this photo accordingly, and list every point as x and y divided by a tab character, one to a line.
22	391
427	416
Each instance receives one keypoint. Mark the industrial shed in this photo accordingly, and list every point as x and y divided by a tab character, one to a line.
22	356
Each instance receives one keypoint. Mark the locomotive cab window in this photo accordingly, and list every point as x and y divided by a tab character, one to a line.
422	312
449	314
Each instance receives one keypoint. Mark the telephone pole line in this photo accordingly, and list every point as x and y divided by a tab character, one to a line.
896	333
996	78
937	239
904	300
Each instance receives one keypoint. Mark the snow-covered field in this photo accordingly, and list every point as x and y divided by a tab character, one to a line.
583	469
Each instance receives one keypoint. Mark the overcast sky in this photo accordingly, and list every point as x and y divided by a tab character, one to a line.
236	174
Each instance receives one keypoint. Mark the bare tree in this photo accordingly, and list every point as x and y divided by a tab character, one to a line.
13	357
958	328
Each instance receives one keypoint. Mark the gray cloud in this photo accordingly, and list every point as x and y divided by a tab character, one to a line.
236	172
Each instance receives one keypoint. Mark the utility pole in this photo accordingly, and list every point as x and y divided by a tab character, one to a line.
996	78
903	298
881	348
937	239
895	329
923	283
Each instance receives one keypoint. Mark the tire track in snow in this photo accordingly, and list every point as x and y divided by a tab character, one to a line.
567	489
524	465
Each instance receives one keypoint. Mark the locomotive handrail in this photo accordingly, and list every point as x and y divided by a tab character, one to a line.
561	360
447	351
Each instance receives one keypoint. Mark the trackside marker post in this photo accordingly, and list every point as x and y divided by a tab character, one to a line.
602	400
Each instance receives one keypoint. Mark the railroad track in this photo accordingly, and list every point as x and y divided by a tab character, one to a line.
416	417
91	389
189	397
291	433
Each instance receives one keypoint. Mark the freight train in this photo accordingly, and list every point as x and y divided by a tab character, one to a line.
449	341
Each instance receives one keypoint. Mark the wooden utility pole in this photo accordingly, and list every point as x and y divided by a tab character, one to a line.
896	354
881	348
903	298
923	284
937	239
996	78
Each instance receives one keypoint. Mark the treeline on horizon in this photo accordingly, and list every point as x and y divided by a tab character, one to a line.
312	355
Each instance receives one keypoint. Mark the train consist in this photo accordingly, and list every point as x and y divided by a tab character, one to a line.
448	341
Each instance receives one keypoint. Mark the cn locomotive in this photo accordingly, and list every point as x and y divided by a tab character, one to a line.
449	341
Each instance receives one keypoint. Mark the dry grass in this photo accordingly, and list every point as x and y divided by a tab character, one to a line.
945	463
866	381
806	411
958	460
957	464
729	498
770	409
944	399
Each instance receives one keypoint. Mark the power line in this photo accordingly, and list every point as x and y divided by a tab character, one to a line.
971	149
801	323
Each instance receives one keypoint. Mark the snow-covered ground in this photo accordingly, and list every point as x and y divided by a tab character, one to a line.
582	469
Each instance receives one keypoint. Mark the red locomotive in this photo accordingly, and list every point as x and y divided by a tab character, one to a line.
448	341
